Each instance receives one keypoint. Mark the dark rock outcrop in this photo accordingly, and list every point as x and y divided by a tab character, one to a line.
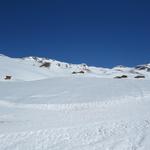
8	77
139	76
120	77
46	64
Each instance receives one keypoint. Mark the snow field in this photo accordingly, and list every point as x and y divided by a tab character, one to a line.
51	109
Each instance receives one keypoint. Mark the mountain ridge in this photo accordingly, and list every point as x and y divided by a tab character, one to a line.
36	68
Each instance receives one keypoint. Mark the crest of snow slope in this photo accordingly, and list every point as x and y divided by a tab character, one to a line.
66	112
32	68
29	68
20	70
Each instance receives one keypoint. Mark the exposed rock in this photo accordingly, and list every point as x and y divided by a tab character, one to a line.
117	77
46	64
8	77
120	77
139	76
74	72
81	72
143	67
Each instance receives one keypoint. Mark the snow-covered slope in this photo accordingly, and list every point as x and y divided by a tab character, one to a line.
49	108
35	68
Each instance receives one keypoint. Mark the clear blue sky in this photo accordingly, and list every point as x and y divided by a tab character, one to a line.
97	32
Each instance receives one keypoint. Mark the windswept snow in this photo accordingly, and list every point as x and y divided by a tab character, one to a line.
52	109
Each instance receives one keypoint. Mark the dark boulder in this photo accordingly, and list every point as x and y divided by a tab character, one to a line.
120	77
79	72
8	77
139	77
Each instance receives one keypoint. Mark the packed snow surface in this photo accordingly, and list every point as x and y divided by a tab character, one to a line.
49	108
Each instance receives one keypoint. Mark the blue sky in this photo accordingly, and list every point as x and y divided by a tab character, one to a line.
97	32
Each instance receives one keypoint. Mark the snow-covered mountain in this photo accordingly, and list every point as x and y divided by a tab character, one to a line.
50	105
36	68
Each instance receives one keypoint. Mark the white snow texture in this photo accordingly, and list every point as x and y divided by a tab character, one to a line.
50	105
